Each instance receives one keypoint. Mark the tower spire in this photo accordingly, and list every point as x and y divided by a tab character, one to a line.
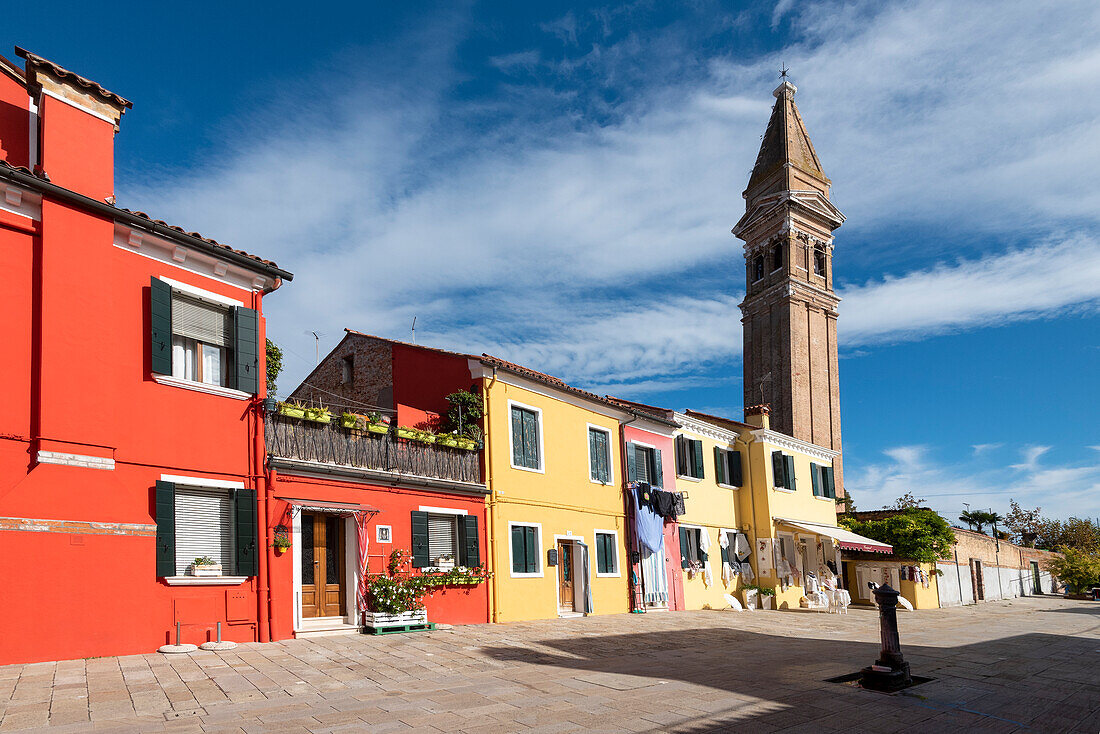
786	144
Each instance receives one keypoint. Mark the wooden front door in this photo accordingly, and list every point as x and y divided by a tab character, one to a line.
322	553
565	575
1036	584
979	582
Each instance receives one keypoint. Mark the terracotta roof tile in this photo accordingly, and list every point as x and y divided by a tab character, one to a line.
661	415
544	378
411	344
63	73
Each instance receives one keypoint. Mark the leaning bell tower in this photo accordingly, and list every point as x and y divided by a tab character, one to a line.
790	309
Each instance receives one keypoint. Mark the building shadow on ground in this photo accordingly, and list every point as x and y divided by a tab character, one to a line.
1034	682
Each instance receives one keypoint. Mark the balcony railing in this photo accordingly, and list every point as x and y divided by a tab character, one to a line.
329	443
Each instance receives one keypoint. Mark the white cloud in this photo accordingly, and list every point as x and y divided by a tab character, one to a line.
554	241
1031	455
982	448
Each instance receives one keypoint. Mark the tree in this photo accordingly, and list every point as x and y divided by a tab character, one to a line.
917	533
906	501
274	367
1024	524
971	519
1076	567
464	414
1082	534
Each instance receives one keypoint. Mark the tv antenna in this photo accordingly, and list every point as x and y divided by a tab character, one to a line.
316	346
414	330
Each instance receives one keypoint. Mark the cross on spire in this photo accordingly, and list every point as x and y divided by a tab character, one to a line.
783	72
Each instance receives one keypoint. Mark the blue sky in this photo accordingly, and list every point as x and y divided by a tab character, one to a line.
555	184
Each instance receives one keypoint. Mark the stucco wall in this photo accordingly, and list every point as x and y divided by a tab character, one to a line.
1006	570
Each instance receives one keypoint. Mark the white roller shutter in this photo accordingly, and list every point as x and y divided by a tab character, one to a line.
201	321
204	527
442	537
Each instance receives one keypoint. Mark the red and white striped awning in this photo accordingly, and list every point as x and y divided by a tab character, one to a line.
335	508
846	539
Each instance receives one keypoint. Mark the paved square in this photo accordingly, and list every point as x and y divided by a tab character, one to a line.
1028	665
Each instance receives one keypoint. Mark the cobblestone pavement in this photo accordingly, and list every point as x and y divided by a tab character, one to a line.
1027	665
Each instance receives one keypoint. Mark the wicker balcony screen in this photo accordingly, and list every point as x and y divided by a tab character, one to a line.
329	443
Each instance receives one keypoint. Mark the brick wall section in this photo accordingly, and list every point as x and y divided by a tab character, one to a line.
372	376
76	527
975	545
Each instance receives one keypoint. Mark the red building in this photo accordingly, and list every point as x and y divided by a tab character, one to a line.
131	435
347	497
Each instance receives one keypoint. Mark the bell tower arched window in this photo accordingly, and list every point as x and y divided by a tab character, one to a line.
757	268
777	258
819	261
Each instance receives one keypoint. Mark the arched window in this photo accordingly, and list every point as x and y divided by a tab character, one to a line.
819	261
758	268
777	258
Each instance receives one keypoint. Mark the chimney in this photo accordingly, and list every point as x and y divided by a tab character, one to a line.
77	122
757	415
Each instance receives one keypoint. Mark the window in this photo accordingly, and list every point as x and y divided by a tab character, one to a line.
757	268
819	261
690	552
526	558
783	470
599	455
444	540
526	441
689	457
822	478
201	337
643	464
201	346
727	466
607	553
347	369
383	533
196	521
777	258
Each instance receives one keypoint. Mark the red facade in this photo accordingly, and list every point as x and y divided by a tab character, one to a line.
90	431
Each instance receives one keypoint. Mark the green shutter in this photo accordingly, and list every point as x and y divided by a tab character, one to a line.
658	473
791	483
469	550
160	327
816	479
631	462
593	455
247	532
165	502
681	456
517	437
685	550
603	444
719	465
736	477
779	470
830	486
532	551
246	352
519	550
697	464
420	540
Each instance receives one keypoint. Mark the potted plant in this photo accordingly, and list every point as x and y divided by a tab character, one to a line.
407	433
462	442
318	415
767	597
351	420
378	423
445	561
394	599
292	410
447	439
205	566
425	436
281	540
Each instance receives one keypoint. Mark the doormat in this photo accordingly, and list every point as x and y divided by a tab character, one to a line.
852	680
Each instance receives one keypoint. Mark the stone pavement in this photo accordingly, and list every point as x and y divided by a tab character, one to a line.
1031	664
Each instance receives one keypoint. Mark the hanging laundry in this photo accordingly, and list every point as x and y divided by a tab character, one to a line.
741	547
764	561
704	552
649	526
680	508
665	504
746	573
904	573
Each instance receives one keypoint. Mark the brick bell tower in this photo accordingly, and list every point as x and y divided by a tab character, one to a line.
790	310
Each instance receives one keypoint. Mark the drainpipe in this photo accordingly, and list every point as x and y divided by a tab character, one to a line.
490	516
629	512
958	573
752	495
263	631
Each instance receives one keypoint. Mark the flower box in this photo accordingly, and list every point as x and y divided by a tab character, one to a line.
378	428
318	415
465	443
349	420
446	441
379	620
291	411
206	569
409	433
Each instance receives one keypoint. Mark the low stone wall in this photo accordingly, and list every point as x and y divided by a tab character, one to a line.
988	570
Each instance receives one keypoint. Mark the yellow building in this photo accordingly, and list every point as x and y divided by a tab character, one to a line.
556	511
787	508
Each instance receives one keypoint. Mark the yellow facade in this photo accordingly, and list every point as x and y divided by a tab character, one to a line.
913	591
559	499
713	508
760	508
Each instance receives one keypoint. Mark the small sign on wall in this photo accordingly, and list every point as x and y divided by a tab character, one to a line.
383	533
552	557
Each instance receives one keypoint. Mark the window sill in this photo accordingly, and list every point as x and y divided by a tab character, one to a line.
205	580
602	484
609	575
225	392
689	479
784	489
827	499
527	575
527	468
727	486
